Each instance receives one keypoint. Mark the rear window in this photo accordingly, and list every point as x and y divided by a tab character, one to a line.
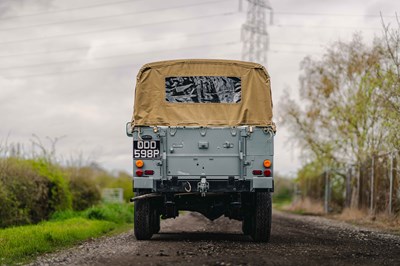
203	89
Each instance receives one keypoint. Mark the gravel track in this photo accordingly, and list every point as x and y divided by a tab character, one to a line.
191	239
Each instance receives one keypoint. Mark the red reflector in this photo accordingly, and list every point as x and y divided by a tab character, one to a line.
257	172
267	172
148	172
139	172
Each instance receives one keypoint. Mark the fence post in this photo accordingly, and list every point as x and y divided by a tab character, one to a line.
296	192
348	187
391	183
359	191
372	184
327	190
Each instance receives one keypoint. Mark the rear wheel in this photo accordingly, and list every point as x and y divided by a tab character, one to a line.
262	216
156	221
142	220
246	225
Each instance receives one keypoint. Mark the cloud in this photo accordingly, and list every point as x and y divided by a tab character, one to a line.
13	7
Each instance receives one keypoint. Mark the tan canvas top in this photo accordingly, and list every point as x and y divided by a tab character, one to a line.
202	93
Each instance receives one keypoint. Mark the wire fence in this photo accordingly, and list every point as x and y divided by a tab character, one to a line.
372	185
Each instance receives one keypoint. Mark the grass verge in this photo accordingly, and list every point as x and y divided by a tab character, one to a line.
117	213
23	243
304	207
280	204
379	221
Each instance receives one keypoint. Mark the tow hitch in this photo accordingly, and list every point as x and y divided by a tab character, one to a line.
203	186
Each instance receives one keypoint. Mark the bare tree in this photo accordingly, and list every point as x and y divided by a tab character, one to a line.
390	93
340	120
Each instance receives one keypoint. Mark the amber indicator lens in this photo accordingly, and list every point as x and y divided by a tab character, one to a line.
257	172
139	173
139	163
267	163
267	172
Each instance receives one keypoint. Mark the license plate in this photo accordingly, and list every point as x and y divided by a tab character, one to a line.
146	149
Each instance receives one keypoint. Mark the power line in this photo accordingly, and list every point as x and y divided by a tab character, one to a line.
69	9
135	65
326	27
153	40
118	28
329	14
87	70
72	71
120	55
132	1
111	16
295	52
296	44
115	44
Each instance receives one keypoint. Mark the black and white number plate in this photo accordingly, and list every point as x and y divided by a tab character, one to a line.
146	149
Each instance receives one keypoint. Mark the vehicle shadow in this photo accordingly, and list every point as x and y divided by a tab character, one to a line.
201	236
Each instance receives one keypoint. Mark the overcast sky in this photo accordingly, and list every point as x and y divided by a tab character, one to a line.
68	67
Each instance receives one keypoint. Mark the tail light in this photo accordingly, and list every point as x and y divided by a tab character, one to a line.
257	172
149	172
267	172
139	173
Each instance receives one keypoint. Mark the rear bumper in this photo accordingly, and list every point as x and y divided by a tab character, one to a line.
215	185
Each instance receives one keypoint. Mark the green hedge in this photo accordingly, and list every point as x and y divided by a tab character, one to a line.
31	190
60	195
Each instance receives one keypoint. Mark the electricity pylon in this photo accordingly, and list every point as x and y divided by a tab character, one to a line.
255	36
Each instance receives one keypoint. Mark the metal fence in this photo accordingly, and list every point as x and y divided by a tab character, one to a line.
373	184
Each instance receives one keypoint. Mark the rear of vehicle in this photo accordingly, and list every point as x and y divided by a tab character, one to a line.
203	141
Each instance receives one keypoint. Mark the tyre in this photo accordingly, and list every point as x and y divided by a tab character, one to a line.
142	220
246	225
156	221
262	216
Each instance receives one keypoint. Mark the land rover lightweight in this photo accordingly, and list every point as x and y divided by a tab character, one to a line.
203	141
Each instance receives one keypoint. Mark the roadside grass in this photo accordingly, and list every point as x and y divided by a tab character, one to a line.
23	243
304	207
283	194
380	221
281	203
113	212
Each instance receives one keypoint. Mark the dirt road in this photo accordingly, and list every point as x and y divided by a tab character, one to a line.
193	240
